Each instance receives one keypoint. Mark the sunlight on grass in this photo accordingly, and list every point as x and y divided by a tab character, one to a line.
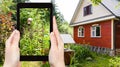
31	64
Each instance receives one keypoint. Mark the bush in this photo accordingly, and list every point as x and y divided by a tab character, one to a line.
114	62
81	52
5	30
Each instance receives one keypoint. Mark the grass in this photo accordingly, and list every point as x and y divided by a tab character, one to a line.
98	61
82	54
1	64
30	64
35	64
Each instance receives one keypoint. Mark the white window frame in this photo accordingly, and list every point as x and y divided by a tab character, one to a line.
95	26
80	31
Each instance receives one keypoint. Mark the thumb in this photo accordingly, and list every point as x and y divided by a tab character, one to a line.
16	38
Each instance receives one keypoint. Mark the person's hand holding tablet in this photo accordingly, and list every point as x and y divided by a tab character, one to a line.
56	54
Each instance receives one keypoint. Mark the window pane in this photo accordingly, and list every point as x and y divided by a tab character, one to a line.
93	33
88	10
97	31
82	32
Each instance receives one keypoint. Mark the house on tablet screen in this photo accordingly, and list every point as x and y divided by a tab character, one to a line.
97	25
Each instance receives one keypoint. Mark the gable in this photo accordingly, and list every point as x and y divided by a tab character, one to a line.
98	11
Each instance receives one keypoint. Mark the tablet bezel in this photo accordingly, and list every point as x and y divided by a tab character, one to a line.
34	5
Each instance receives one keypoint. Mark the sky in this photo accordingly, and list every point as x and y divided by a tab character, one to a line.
66	7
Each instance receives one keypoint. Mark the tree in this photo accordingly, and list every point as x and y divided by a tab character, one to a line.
63	25
96	2
14	7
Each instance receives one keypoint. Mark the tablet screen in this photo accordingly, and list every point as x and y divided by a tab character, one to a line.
34	21
35	31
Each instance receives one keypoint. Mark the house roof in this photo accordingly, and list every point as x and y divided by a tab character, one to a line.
110	5
67	38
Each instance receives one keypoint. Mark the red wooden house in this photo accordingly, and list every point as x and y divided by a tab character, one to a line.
98	25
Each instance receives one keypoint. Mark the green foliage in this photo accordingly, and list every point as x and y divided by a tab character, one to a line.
35	64
81	52
45	64
117	6
114	62
4	7
5	30
19	1
63	25
6	22
96	2
65	28
32	42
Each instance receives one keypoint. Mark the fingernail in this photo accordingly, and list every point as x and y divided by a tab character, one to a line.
51	33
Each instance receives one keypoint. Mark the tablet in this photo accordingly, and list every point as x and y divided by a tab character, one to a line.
34	21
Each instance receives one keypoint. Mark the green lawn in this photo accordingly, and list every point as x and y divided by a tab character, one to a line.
98	61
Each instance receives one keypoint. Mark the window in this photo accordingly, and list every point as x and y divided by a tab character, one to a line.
80	31
95	31
88	10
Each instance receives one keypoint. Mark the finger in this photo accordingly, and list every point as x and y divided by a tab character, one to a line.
57	35
16	38
53	41
9	40
54	24
55	29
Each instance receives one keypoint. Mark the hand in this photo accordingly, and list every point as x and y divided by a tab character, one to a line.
12	54
56	54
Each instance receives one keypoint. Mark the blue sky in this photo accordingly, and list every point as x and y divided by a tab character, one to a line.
66	7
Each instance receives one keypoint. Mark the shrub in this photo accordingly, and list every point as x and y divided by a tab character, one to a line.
81	52
5	30
114	62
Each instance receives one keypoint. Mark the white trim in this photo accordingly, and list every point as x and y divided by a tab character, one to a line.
76	10
95	30
112	35
92	21
79	31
